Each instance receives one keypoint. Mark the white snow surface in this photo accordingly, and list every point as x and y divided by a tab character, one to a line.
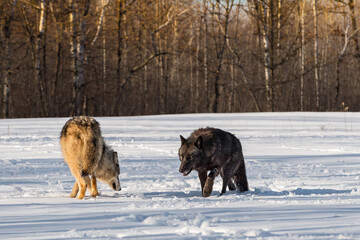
303	171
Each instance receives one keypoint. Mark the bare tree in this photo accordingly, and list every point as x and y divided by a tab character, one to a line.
316	55
37	40
7	31
302	52
126	57
101	28
205	49
264	11
221	15
351	5
340	59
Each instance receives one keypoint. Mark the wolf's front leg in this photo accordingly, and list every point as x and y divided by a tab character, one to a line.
209	183
202	176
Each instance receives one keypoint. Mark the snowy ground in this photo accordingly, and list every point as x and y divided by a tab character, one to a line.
303	171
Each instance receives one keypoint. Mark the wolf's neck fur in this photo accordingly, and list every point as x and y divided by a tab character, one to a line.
105	162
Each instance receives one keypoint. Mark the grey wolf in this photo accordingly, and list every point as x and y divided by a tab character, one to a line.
87	154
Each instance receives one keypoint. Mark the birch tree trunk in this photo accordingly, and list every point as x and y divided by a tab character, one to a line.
80	98
101	29
339	61
73	51
266	46
6	79
39	71
232	85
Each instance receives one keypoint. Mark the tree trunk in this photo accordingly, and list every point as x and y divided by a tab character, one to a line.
120	25
197	66
316	56
39	71
338	83
266	45
219	59
192	82
80	103
206	80
302	53
6	79
351	5
223	37
175	63
232	85
5	111
278	42
104	102
73	51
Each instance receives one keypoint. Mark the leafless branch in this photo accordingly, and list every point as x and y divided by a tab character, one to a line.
101	20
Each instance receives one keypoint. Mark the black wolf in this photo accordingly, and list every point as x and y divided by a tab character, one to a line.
217	151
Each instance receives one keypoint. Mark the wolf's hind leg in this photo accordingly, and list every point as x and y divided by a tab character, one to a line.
226	176
84	182
94	191
225	184
75	190
240	177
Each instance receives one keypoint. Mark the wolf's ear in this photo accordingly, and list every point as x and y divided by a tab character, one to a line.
115	156
183	140
199	143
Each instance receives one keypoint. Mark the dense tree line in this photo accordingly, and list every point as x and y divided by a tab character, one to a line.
131	57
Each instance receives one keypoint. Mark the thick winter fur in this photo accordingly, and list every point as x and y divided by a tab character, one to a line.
217	151
86	154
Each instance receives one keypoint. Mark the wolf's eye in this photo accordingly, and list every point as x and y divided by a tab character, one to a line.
189	157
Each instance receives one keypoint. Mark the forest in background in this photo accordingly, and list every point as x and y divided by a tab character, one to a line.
136	57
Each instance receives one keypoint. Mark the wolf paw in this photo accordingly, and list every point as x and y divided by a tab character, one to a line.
81	196
95	194
73	195
231	186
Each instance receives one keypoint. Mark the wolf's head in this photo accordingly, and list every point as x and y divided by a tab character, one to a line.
191	152
108	169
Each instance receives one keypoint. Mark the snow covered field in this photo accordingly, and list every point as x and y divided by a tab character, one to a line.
303	171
